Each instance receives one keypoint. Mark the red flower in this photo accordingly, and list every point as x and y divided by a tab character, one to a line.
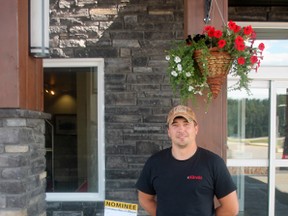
248	30
208	28
239	40
211	32
254	59
237	29
221	43
261	46
232	25
241	60
240	46
217	34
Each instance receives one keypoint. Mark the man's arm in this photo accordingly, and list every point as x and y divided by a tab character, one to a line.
228	205
147	202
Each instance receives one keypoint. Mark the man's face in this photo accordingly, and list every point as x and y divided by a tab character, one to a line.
182	132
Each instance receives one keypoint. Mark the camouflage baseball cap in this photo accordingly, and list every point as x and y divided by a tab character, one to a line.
181	111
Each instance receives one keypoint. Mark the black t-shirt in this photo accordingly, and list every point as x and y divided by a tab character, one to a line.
185	187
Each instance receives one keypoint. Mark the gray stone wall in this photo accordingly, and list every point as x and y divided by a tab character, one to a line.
22	163
132	36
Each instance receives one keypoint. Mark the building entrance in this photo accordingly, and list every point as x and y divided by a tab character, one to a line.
257	144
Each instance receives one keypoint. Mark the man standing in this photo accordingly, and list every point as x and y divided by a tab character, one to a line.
182	180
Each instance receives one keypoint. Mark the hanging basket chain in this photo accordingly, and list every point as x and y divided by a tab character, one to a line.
208	17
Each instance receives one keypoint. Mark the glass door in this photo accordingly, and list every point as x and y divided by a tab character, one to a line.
257	126
278	165
248	146
257	144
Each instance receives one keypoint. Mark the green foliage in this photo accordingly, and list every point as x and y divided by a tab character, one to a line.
184	72
256	118
188	81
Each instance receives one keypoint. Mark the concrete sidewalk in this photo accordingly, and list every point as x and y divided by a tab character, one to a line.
256	196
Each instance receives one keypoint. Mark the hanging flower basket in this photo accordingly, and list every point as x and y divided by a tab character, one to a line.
217	64
199	65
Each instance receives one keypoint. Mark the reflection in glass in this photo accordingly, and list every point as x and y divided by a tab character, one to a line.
281	191
72	158
274	54
282	130
248	124
252	189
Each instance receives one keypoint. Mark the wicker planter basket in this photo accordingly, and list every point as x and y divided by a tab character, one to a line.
219	64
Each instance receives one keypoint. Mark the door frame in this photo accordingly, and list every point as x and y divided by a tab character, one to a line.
86	62
270	77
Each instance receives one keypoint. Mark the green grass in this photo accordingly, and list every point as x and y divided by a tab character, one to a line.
257	141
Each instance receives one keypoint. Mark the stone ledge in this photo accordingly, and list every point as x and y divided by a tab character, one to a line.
21	113
13	213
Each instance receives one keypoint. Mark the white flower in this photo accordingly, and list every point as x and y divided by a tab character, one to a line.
190	88
174	73
167	57
188	74
177	59
179	67
200	93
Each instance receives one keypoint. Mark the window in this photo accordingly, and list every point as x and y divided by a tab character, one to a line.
74	96
256	133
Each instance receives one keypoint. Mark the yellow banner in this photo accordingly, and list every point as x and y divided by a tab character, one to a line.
121	205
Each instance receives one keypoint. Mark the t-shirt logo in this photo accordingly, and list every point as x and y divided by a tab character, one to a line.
194	177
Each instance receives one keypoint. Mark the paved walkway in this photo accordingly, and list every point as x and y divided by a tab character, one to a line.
256	196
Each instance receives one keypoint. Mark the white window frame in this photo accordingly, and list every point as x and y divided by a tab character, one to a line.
86	62
271	80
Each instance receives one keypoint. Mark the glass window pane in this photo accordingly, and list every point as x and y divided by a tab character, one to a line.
282	129
252	189
71	134
248	124
281	191
275	53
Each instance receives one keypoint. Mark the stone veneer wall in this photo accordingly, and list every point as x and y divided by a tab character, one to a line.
131	35
22	163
